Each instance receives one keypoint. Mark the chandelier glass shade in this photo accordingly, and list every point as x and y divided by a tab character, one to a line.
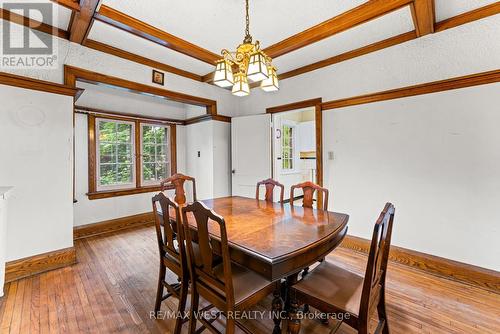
241	87
271	83
247	63
223	76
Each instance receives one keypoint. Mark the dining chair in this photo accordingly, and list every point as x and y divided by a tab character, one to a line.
176	182
228	286
270	184
172	255
308	188
334	290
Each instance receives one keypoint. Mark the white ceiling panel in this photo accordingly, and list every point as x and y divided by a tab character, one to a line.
384	27
126	41
449	8
117	100
218	24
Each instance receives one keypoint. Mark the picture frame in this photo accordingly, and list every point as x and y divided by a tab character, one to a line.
158	77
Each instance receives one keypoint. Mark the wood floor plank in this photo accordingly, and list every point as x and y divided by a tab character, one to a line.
112	290
9	300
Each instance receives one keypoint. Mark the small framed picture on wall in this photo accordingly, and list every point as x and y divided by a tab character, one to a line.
158	77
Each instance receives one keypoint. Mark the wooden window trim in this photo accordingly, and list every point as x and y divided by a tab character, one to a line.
93	193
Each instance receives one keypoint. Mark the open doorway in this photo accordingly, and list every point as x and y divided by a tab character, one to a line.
294	148
296	143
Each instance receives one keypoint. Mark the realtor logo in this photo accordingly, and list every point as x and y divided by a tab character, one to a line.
24	47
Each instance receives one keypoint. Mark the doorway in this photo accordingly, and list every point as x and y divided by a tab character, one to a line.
296	143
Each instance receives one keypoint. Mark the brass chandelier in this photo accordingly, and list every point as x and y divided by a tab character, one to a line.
251	64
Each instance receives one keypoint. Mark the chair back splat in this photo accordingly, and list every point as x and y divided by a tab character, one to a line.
308	189
270	184
176	182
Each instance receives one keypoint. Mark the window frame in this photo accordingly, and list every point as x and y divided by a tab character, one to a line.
129	185
97	192
141	164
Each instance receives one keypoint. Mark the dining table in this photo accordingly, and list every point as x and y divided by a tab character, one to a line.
276	240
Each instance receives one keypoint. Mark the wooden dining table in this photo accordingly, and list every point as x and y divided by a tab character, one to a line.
275	240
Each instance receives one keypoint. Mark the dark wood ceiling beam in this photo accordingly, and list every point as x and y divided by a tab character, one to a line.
452	22
426	88
32	24
361	14
468	17
424	16
35	84
82	21
129	24
70	4
139	59
73	74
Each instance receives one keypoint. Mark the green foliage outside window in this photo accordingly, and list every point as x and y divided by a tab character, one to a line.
155	164
115	153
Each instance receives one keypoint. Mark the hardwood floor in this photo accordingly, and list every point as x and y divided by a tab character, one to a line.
112	290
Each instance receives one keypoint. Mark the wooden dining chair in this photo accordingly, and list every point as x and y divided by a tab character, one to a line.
308	188
229	287
172	255
176	182
335	290
270	184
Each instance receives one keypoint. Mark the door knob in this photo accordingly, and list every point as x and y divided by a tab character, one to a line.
233	171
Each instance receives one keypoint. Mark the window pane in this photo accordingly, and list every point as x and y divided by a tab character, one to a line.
148	153
161	158
161	171
107	174
107	153
160	135
148	171
124	173
124	132
124	153
161	150
107	131
147	134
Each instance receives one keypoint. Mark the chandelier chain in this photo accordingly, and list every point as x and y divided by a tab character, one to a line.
248	37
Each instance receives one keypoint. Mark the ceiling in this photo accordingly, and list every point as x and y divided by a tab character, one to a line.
217	24
109	99
211	25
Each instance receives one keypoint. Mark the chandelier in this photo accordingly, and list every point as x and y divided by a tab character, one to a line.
250	63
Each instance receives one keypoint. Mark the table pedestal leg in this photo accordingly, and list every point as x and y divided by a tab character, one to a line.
277	309
294	319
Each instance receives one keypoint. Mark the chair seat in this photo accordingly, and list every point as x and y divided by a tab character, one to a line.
333	285
246	283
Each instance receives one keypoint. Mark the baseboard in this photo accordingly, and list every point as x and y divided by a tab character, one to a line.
40	263
107	226
454	270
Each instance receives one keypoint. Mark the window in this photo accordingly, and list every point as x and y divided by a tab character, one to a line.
128	156
116	154
155	153
287	147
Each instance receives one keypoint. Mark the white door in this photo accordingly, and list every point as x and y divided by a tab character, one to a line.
251	152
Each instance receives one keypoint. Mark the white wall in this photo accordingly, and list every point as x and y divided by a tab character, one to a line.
436	157
36	139
222	159
212	139
467	49
437	154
